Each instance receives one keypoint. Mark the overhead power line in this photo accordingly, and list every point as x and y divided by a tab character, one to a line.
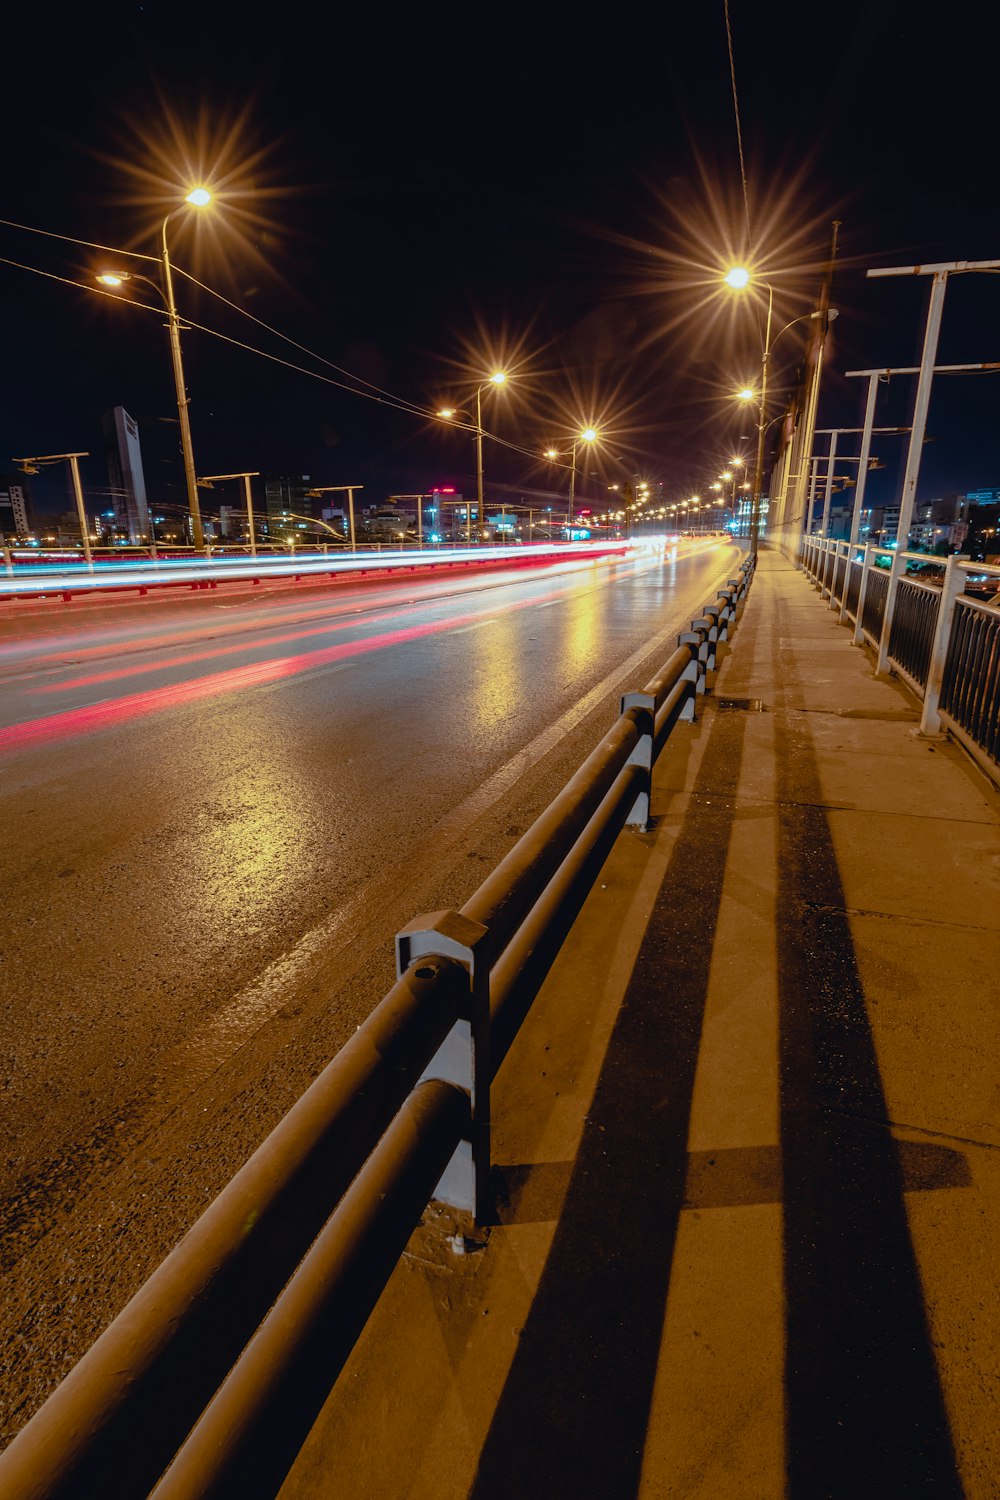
398	403
739	128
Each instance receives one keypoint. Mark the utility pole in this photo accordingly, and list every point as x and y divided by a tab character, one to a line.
808	424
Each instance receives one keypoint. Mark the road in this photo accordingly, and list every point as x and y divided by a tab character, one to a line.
217	810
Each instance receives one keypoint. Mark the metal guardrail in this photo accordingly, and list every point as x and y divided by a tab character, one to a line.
69	581
970	687
207	1382
914	621
944	645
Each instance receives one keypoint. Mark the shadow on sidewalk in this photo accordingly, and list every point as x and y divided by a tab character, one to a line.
864	1409
573	1414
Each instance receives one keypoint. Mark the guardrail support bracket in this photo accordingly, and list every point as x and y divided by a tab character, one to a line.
642	755
694	671
463	1057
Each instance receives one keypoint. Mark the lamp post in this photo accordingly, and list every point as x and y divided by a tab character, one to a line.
497	378
206	482
420	512
331	489
588	435
198	197
30	466
447	412
739	279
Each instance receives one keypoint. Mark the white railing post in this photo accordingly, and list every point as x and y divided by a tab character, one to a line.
859	629
954	583
852	547
896	570
463	1058
694	671
834	602
642	755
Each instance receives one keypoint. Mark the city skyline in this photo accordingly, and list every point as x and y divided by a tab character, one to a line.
580	243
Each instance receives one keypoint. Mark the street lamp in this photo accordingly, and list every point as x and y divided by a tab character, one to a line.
420	511
739	278
331	489
448	412
30	466
497	378
588	435
198	197
206	482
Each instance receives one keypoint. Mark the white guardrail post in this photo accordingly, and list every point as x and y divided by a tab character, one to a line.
859	629
834	601
695	670
824	577
463	1058
848	565
952	587
896	570
642	755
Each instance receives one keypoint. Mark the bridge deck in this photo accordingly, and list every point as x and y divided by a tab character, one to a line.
747	1139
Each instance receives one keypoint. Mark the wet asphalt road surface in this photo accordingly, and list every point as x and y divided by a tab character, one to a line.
216	811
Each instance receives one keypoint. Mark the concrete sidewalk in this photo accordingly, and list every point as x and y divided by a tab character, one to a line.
747	1139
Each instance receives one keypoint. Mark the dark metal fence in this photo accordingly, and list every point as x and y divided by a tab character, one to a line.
875	596
840	567
970	692
946	645
914	622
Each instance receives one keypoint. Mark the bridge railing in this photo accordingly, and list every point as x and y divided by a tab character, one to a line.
944	644
207	1382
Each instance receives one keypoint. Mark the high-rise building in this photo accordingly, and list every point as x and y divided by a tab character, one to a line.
128	487
288	496
232	520
15	506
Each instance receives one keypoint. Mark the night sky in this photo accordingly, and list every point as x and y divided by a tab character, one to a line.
419	197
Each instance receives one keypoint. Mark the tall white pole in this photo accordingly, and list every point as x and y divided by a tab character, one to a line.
350	512
866	448
249	500
829	483
920	406
859	493
479	465
78	494
758	472
197	533
572	484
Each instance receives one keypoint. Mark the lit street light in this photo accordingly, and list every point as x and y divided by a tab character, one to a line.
497	378
198	197
447	413
739	279
588	435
